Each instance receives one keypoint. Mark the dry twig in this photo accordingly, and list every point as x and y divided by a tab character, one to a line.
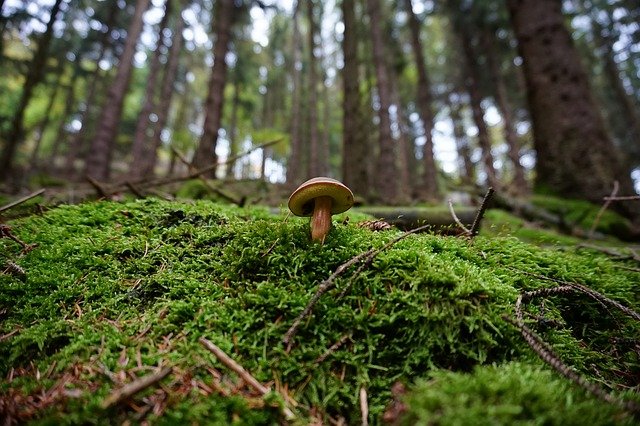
333	348
466	230
136	386
475	227
240	371
364	406
366	258
622	198
596	221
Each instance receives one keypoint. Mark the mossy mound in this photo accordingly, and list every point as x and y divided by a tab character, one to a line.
115	289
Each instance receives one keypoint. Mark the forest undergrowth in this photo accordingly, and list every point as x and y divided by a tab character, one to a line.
108	309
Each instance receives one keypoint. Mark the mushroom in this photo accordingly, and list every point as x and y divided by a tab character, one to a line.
319	198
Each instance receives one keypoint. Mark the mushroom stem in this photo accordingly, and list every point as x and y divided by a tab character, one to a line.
321	218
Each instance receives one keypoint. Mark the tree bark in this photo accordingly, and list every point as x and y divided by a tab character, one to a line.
44	123
355	152
466	166
316	162
206	152
140	149
519	183
294	163
575	155
233	129
98	161
33	78
386	171
424	101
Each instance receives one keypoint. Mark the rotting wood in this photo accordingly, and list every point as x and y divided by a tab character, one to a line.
412	217
21	200
136	386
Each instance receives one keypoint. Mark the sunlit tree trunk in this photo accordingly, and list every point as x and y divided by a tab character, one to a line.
34	76
430	173
519	184
316	162
355	149
98	160
206	152
140	149
385	177
166	97
575	156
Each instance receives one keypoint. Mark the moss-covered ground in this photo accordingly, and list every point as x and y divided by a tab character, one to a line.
114	290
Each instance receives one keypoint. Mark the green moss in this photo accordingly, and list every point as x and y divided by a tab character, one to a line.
113	285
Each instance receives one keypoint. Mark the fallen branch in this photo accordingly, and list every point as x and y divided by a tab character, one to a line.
623	198
596	221
475	228
332	349
240	371
364	406
136	386
21	200
326	285
458	222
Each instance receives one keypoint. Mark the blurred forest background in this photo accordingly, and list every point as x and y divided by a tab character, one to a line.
402	100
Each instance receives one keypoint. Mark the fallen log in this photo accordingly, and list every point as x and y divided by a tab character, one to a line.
407	218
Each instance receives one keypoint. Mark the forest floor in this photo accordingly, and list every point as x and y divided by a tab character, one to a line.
187	311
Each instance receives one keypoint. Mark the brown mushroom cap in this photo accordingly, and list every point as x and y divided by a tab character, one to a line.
301	201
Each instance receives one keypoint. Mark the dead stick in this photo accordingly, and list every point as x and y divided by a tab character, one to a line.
326	285
596	221
101	191
240	371
458	222
364	406
134	189
622	198
21	200
483	207
134	387
333	348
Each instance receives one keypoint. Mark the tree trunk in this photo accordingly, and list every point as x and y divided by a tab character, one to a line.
472	73
467	172
140	150
316	162
166	96
519	184
233	130
70	100
206	152
385	178
98	161
44	123
294	163
575	156
405	185
355	151
424	101
34	76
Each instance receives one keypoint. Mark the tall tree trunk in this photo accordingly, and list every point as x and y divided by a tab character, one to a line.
575	156
294	163
472	83
34	76
206	152
405	185
385	178
166	96
98	161
519	184
44	123
466	167
233	129
316	162
140	148
70	100
355	151
430	173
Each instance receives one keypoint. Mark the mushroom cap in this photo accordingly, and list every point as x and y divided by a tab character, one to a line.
301	201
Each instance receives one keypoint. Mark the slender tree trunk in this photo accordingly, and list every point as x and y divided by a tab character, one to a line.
519	184
575	156
44	123
206	152
70	100
472	83
140	150
233	131
294	169
385	178
430	173
316	162
466	167
33	78
405	185
98	161
355	152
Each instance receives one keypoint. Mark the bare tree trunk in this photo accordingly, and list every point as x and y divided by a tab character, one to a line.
385	178
98	161
206	152
44	123
519	181
355	152
316	162
33	78
405	185
233	130
140	149
466	167
70	100
575	156
294	169
430	172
